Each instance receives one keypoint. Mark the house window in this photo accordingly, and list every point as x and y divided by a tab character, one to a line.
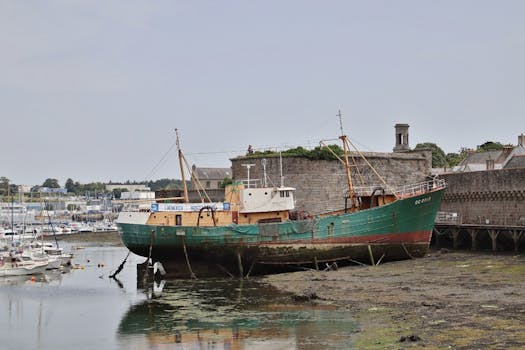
208	184
178	220
219	183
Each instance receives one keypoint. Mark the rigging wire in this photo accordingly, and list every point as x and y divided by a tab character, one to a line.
281	147
162	159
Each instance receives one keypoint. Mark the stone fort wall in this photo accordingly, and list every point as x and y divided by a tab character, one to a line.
321	184
486	197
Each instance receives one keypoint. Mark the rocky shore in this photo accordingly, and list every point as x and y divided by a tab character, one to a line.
447	300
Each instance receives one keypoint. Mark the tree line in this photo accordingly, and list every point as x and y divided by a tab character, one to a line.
93	189
439	158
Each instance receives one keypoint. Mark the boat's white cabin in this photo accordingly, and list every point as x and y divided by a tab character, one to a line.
266	199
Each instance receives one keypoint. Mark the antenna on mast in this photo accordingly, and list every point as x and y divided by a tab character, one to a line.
340	122
281	168
264	161
248	166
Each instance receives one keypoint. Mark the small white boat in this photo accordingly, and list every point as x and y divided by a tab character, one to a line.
9	234
14	265
37	255
64	258
54	252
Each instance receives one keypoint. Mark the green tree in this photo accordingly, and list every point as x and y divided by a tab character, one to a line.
439	159
490	146
4	186
51	183
117	192
73	207
226	181
454	159
316	153
70	185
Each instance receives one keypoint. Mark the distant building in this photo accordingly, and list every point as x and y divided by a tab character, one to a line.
137	195
209	178
128	187
507	158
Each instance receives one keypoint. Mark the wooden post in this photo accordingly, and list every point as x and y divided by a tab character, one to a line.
371	255
316	264
239	262
455	235
516	235
436	234
473	236
494	236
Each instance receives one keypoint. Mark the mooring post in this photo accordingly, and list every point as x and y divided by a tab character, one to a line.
316	264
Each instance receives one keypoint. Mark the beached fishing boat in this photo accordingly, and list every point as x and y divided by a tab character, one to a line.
255	230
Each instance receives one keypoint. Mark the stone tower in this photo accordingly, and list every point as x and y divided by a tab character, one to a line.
401	138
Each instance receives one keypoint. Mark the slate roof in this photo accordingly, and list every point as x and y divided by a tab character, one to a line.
482	157
212	173
518	161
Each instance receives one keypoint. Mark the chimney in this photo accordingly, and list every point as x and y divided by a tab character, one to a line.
490	164
521	140
401	138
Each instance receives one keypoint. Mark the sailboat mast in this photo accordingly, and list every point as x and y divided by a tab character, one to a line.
186	199
347	164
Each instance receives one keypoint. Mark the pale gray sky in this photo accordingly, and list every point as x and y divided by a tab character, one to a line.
92	90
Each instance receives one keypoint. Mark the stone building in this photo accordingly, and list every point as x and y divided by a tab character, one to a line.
322	184
209	178
488	187
486	197
510	157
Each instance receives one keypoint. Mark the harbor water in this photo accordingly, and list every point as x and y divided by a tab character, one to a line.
82	308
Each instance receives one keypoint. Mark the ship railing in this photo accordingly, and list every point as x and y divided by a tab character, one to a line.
251	183
445	217
480	218
402	191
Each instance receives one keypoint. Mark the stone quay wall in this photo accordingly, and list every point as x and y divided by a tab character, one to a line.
321	184
494	197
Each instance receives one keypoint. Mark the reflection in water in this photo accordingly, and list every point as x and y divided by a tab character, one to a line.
83	309
46	277
230	314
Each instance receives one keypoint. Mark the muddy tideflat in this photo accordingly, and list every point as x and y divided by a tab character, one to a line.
447	300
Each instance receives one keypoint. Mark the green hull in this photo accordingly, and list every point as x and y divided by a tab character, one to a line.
398	230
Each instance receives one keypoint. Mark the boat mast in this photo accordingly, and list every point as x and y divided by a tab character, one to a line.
186	199
351	193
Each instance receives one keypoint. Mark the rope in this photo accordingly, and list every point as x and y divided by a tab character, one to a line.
120	267
192	275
